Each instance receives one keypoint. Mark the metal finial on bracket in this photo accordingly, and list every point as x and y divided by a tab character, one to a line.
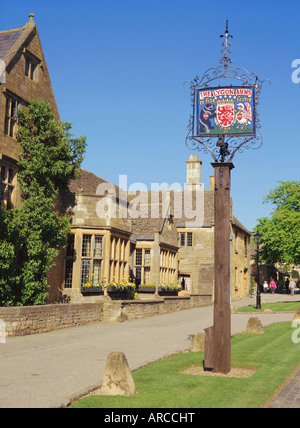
226	59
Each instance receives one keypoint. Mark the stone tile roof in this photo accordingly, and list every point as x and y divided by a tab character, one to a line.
207	219
7	40
87	184
238	224
152	205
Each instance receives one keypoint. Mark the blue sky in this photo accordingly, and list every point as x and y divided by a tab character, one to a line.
118	69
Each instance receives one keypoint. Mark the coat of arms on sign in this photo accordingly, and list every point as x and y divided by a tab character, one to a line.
226	110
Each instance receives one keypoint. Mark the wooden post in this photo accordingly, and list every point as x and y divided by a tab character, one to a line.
222	312
208	348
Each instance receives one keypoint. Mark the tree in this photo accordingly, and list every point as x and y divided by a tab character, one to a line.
281	232
34	233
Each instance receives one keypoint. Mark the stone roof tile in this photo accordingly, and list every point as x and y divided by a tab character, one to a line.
7	40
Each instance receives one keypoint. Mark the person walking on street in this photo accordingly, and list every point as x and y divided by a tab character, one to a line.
265	286
292	286
287	285
272	286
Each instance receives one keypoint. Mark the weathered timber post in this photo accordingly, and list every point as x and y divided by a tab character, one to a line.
222	313
224	121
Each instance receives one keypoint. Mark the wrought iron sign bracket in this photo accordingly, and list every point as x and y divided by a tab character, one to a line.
208	130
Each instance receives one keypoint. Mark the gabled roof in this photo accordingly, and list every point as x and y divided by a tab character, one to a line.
8	39
12	40
86	184
155	207
13	44
237	223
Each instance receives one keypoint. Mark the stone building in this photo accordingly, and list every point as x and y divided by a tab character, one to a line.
241	258
23	77
154	242
171	238
109	242
196	241
99	245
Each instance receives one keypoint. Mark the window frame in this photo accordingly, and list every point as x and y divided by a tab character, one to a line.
69	262
185	239
12	105
8	175
31	66
142	265
90	259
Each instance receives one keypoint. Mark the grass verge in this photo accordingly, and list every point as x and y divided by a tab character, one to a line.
161	385
275	307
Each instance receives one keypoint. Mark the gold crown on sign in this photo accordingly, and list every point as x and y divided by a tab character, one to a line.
228	101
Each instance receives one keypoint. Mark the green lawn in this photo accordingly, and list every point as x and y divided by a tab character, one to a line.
275	307
160	385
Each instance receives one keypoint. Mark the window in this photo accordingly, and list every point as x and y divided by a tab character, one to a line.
146	275
119	259
142	265
85	271
186	239
69	262
98	246
139	257
86	245
91	259
167	266
189	240
7	176
182	239
11	117
245	246
97	271
31	69
236	241
147	257
138	275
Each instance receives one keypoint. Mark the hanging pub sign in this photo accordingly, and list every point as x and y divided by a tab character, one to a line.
226	111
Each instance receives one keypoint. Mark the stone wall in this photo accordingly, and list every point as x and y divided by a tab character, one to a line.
27	320
135	309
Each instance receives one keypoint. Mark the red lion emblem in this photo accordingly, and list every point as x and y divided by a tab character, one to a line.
225	115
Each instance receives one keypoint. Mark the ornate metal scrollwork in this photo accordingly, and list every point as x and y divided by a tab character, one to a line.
222	147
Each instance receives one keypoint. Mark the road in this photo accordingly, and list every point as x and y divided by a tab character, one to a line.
49	370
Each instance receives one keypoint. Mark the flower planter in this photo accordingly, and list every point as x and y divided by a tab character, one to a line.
167	292
120	294
147	290
92	290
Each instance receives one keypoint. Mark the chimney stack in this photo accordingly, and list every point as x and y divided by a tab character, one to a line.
193	173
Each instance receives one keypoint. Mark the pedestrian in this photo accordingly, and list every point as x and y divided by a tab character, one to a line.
292	286
265	286
287	285
272	286
281	285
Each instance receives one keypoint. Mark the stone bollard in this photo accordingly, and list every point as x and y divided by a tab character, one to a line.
254	326
197	343
117	378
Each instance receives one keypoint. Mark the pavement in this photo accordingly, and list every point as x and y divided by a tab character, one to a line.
53	369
